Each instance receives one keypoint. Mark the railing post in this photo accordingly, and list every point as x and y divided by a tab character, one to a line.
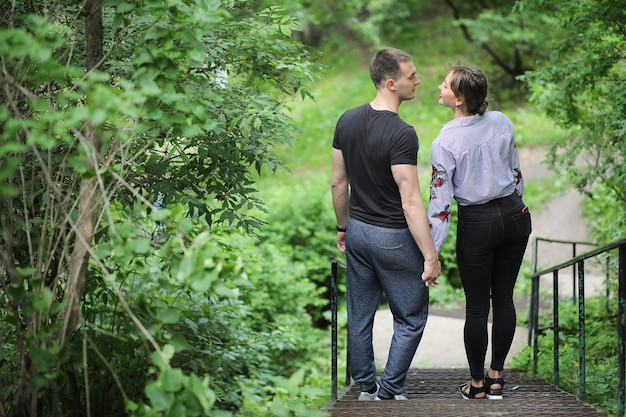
533	313
533	301
581	330
574	274
333	309
621	330
555	317
535	323
335	264
607	288
348	375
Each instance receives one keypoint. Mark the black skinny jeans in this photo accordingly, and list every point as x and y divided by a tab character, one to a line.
491	240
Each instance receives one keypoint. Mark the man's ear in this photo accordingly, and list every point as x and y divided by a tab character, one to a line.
390	83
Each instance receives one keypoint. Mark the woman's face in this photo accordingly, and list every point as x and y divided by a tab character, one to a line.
447	97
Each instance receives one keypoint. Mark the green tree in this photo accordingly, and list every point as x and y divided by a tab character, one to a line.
108	107
582	86
357	22
511	35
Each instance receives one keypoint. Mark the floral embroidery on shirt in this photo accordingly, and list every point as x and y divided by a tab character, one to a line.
518	175
436	181
444	215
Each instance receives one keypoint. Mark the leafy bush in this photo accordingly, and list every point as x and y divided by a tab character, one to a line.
105	311
301	221
606	214
215	320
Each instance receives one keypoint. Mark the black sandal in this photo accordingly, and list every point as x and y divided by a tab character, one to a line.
473	391
494	394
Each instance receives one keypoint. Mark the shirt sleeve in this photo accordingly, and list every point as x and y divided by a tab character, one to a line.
441	194
404	148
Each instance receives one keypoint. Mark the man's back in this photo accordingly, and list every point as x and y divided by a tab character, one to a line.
371	141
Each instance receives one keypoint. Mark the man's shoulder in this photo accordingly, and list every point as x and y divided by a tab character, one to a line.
351	115
356	110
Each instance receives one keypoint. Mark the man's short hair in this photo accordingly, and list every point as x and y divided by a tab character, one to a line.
386	64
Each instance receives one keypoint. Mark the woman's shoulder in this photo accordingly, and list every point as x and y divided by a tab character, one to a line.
498	118
497	115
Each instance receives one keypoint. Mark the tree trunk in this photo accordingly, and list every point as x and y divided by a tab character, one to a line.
88	202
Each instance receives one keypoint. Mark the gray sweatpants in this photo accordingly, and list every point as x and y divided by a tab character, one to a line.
384	260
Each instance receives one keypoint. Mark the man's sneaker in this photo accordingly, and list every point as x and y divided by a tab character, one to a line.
366	396
396	397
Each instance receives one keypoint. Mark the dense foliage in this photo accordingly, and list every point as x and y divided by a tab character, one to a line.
583	87
511	35
361	23
109	306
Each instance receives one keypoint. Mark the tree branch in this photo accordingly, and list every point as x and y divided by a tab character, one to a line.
468	36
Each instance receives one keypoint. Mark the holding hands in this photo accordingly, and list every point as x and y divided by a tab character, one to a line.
432	270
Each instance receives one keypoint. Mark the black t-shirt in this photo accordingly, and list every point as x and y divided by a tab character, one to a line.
371	142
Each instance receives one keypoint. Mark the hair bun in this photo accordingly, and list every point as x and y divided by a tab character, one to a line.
483	107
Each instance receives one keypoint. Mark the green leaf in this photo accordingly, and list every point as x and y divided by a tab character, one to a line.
170	315
142	246
43	301
36	383
9	190
41	359
17	292
179	342
172	379
203	281
160	399
286	30
103	250
124	7
11	147
200	390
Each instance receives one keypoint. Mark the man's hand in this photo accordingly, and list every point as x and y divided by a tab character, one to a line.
341	241
432	270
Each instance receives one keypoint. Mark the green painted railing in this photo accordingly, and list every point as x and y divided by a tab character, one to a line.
578	264
335	265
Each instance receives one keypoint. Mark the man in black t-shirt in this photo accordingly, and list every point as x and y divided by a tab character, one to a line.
382	225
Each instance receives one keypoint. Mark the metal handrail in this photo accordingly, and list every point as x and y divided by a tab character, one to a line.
335	265
579	262
535	262
574	245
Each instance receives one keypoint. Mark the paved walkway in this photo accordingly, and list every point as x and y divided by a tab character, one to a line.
442	343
